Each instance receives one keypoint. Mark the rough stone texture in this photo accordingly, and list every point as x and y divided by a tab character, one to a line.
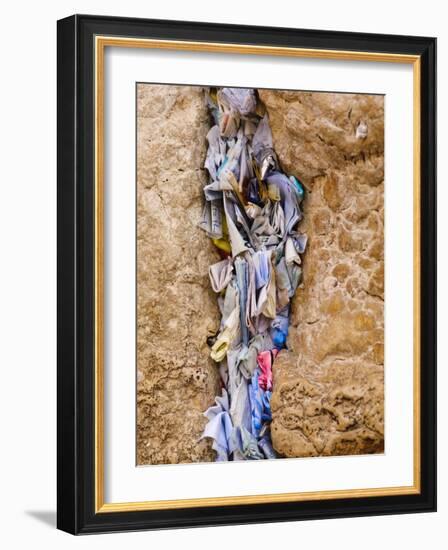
328	396
176	307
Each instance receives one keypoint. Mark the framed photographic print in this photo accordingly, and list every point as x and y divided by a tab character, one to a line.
246	274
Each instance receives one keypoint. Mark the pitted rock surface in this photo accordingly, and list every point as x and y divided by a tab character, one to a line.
328	396
176	379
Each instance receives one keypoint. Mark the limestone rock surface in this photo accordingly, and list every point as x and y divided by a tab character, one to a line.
328	396
176	308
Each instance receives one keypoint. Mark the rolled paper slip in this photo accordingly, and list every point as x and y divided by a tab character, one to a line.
265	360
242	100
219	427
242	282
226	337
216	219
220	274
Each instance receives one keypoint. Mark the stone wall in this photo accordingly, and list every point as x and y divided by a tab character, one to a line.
328	394
176	308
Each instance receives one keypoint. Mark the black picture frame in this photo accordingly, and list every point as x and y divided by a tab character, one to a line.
76	253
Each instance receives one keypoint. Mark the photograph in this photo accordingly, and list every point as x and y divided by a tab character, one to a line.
260	273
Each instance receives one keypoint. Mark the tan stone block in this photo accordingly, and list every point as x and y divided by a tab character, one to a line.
175	306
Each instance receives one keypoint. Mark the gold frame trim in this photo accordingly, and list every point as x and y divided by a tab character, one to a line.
101	42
